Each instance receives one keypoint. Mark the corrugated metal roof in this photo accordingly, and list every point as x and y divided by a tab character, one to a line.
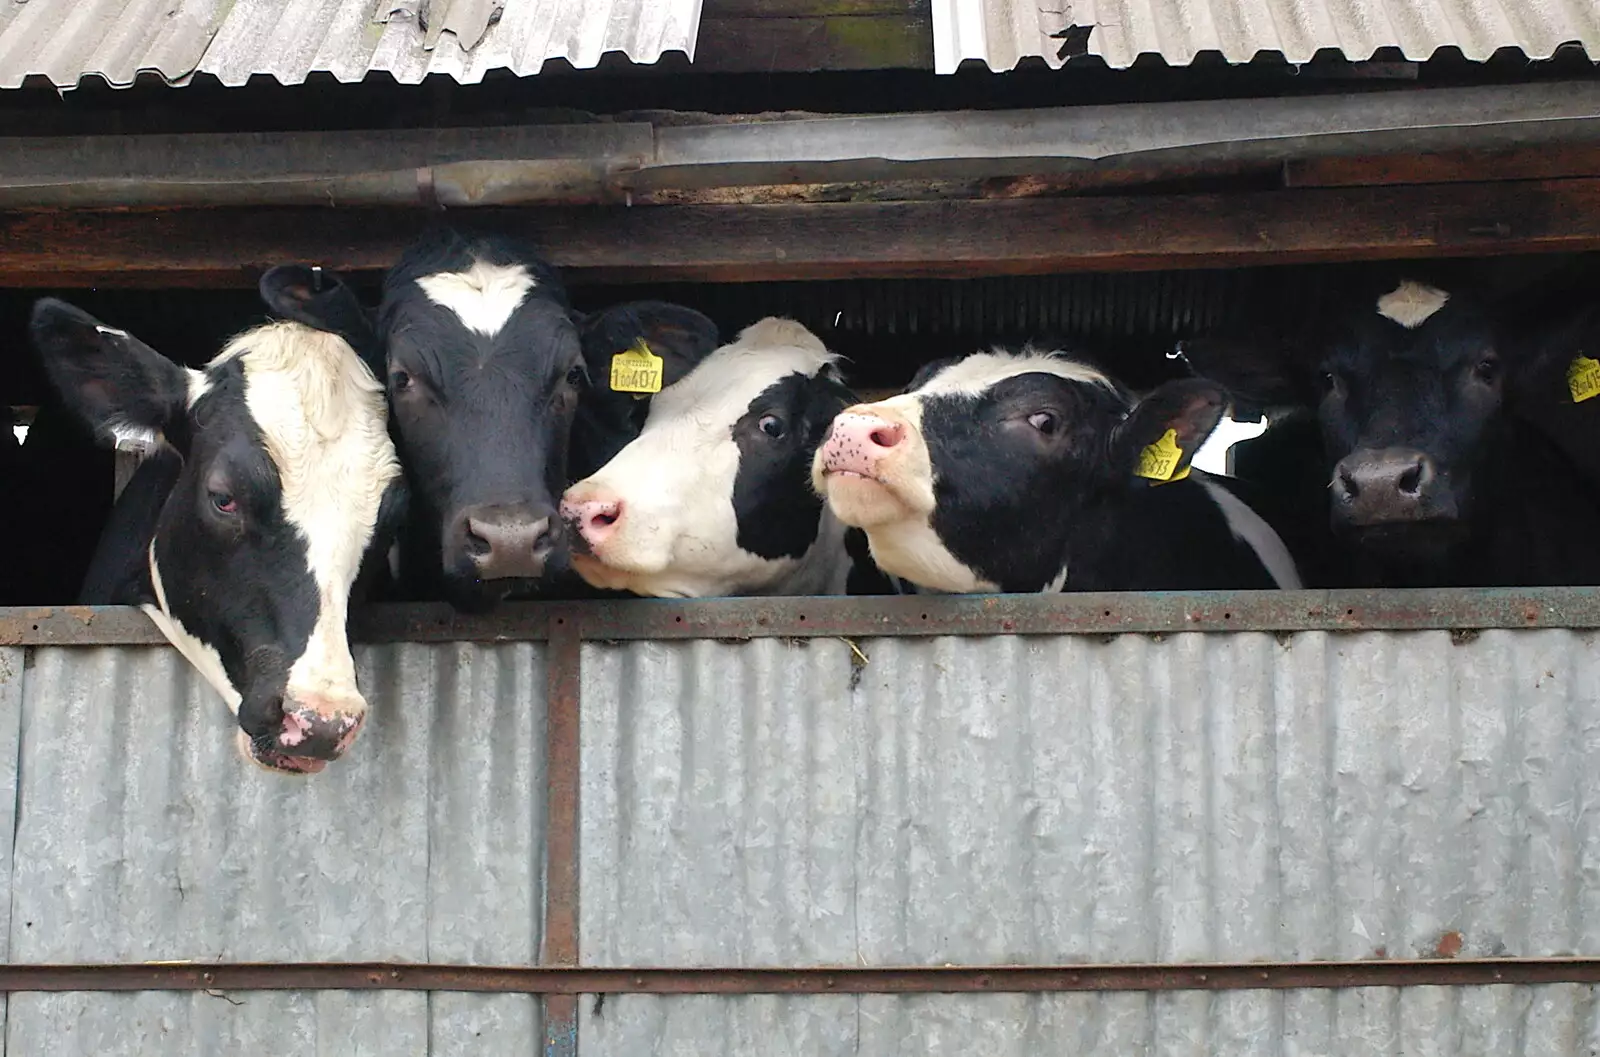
1045	800
1003	32
65	40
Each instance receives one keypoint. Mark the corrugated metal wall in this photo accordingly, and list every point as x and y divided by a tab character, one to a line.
1074	799
142	836
1188	797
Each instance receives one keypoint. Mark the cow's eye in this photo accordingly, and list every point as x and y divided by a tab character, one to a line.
224	502
1487	369
576	377
399	380
771	425
1045	422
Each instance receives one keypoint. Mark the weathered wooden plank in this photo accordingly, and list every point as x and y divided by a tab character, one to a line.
1554	161
742	243
720	9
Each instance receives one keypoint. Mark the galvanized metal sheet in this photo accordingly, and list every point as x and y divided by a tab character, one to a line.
143	836
66	40
1037	800
1555	1020
1001	33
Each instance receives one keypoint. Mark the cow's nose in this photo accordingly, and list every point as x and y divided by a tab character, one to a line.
1381	486
858	440
507	541
596	518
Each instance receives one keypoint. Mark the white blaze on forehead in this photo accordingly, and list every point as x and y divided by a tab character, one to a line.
679	535
321	414
982	371
1411	304
482	297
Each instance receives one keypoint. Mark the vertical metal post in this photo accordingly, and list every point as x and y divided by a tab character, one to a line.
561	824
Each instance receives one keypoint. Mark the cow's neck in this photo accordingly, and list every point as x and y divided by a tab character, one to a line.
824	569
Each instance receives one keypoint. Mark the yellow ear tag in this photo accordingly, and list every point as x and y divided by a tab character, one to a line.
1583	378
1159	461
636	370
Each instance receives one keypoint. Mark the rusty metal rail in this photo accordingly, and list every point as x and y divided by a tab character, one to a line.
1465	609
995	979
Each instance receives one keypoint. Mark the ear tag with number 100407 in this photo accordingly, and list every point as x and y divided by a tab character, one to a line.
636	370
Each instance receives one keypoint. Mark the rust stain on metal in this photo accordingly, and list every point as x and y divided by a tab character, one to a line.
563	772
569	981
1449	945
1462	610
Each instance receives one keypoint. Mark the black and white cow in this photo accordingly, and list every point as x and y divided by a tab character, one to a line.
714	496
1431	479
488	370
271	477
1017	472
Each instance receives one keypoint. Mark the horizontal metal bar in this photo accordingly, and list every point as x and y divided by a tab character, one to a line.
603	161
995	979
1462	609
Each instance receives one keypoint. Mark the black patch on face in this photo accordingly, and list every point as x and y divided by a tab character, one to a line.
237	580
776	509
479	420
1005	490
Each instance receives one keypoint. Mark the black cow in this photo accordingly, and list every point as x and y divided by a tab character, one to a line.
1034	472
714	497
1431	478
487	371
271	477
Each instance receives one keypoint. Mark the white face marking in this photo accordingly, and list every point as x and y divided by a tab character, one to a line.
896	509
483	297
1411	304
323	418
1248	527
978	373
1056	586
678	536
113	331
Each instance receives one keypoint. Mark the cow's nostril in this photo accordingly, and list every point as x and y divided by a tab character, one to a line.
606	518
1347	484
886	436
1411	480
475	540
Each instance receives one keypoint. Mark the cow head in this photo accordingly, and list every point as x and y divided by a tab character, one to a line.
1409	385
970	480
713	498
487	368
288	478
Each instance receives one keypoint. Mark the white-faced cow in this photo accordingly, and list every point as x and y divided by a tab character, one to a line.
1019	472
1430	479
488	369
714	496
272	476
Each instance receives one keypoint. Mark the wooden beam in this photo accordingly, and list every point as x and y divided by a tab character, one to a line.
1550	162
952	239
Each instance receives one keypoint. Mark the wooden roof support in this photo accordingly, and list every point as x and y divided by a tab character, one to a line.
739	243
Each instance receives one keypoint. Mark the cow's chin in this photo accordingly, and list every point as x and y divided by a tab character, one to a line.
277	762
597	573
1422	541
865	502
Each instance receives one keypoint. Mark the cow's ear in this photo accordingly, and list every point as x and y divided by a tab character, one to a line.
1261	371
320	299
928	370
681	336
121	388
1164	430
